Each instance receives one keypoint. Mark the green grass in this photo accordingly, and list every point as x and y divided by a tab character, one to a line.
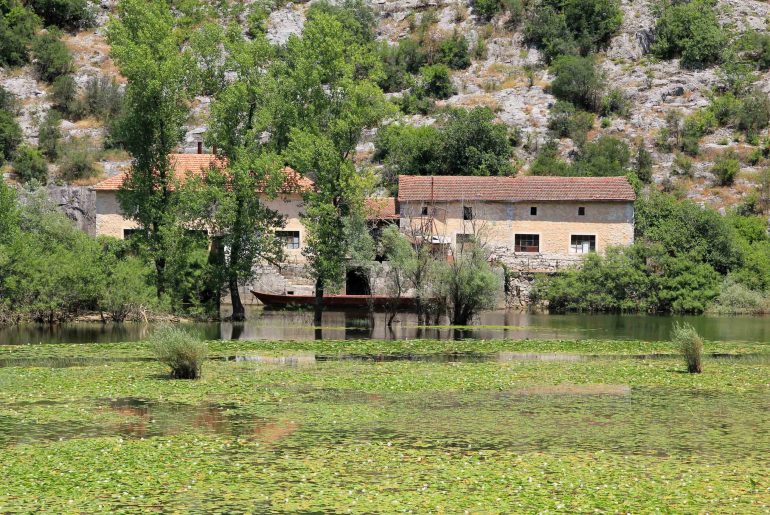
614	435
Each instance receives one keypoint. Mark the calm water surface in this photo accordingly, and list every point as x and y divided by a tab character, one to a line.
298	325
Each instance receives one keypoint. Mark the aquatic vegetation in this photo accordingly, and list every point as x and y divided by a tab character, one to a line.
180	350
608	430
691	344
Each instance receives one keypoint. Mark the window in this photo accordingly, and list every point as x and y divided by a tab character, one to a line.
467	213
290	239
582	244
527	243
533	211
424	211
581	211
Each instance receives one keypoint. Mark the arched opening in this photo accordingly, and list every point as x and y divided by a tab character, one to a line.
356	282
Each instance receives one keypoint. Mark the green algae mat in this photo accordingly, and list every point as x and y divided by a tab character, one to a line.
387	427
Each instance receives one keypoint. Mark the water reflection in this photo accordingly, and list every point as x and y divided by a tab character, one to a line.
298	325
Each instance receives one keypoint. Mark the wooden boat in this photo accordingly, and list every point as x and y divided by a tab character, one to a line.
335	301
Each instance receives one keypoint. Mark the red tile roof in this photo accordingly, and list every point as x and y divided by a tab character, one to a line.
196	164
514	189
381	208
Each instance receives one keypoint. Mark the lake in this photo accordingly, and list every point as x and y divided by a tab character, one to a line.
298	325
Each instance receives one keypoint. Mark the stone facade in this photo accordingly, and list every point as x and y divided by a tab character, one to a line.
497	224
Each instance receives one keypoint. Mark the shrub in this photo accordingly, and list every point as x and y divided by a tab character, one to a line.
468	284
573	26
566	121
691	345
486	9
52	56
409	150
183	353
130	288
683	165
8	101
754	112
690	30
64	95
30	164
737	299
436	81
474	145
49	135
615	102
102	97
77	160
416	102
578	80
17	31
10	135
643	164
726	168
453	52
607	156
67	14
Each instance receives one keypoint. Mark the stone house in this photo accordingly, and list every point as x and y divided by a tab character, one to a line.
531	224
110	220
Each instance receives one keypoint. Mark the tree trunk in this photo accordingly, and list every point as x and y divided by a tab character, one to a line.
319	302
239	312
160	276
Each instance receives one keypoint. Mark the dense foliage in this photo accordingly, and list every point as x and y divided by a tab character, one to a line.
50	271
463	142
684	257
690	30
572	27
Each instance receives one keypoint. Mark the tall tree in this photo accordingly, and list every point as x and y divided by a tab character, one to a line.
159	76
328	95
229	204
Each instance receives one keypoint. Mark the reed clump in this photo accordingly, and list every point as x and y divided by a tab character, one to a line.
691	345
183	352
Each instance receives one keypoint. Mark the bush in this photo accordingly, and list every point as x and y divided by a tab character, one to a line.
605	157
10	135
578	80
436	81
468	284
77	160
67	14
473	144
736	299
754	113
102	98
64	95
130	288
49	135
8	101
183	353
53	58
690	30
573	26
463	142
615	102
566	121
682	165
643	165
726	168
691	345
453	52
17	31
486	9
685	228
30	164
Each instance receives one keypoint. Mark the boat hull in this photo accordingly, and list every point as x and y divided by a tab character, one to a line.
336	301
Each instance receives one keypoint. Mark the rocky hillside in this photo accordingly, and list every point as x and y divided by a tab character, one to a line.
507	74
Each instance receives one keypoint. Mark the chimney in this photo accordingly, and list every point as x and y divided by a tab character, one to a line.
214	150
200	147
